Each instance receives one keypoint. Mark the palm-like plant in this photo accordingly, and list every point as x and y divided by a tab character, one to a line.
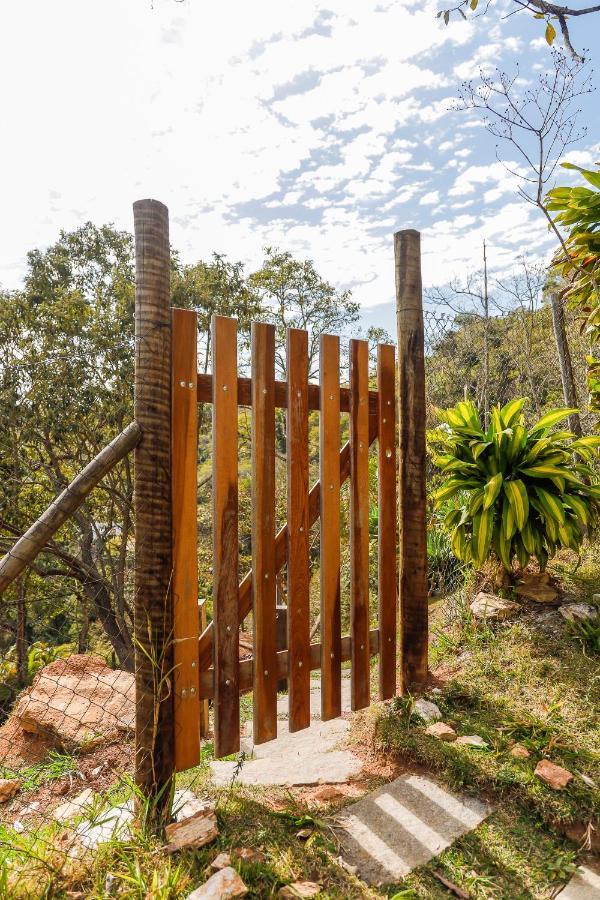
517	491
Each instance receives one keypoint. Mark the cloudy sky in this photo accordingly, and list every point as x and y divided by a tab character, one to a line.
319	127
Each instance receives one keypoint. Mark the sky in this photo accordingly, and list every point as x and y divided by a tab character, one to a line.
317	127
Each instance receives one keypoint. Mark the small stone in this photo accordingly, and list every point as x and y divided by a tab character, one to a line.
441	731
95	772
428	711
300	889
18	826
490	606
520	752
554	776
74	807
327	792
249	855
472	740
220	862
195	831
8	788
578	612
304	834
537	587
224	884
437	692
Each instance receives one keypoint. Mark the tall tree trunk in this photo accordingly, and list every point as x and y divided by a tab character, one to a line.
564	359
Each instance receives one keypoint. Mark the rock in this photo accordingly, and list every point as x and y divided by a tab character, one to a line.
578	612
520	752
186	804
220	862
327	793
300	889
75	807
554	776
60	788
472	740
249	855
587	835
8	788
220	886
427	710
537	587
437	692
78	703
490	606
442	731
195	831
112	824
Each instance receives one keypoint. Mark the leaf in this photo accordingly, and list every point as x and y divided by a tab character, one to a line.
552	418
551	505
446	16
528	538
473	4
509	525
491	490
579	507
511	411
517	497
482	535
550	34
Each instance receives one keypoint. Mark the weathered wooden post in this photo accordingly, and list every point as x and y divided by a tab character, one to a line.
154	734
411	420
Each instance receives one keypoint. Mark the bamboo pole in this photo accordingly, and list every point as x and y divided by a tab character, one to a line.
37	536
154	736
411	420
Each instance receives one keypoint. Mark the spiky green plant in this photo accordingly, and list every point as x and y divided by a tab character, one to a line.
517	492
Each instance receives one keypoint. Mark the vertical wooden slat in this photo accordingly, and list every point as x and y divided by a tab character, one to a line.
225	536
184	442
298	530
359	522
329	450
386	498
263	532
411	421
204	720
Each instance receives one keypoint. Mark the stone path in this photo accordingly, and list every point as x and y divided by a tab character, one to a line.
302	758
402	825
584	885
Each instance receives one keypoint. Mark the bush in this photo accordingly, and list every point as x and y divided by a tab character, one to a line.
516	492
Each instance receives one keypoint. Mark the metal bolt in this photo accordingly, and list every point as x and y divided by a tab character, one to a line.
298	393
389	403
224	387
182	384
229	629
192	691
331	654
184	692
330	487
264	390
190	384
362	646
227	681
266	576
360	445
299	663
389	640
388	453
193	664
331	396
301	529
266	672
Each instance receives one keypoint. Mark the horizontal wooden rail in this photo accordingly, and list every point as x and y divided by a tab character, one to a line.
245	394
37	536
205	645
247	665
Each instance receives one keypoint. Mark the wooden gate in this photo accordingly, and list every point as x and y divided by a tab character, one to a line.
206	662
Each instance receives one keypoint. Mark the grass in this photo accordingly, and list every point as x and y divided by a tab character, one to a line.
532	680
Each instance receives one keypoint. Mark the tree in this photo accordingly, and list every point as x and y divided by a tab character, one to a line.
540	123
548	13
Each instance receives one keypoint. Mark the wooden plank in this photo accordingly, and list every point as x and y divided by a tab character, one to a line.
225	536
359	522
247	665
386	526
263	532
329	449
298	530
184	459
204	710
205	644
281	394
411	420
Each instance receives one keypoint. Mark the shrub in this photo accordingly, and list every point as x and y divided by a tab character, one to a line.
516	492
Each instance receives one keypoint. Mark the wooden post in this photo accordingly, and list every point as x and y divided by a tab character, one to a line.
412	501
154	730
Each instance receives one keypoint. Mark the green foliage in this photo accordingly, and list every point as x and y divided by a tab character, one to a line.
577	209
444	570
517	492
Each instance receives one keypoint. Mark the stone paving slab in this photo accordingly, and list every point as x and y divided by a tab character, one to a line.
402	825
584	885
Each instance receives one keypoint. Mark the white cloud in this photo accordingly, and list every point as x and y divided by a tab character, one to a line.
430	198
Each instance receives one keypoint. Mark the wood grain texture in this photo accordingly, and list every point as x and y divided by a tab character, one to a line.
330	478
184	462
387	582
411	422
263	532
246	665
298	619
153	618
225	536
205	644
359	522
204	710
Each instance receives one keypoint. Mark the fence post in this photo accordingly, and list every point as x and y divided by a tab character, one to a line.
411	421
154	730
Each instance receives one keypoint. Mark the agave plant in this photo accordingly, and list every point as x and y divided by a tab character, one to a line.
517	492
